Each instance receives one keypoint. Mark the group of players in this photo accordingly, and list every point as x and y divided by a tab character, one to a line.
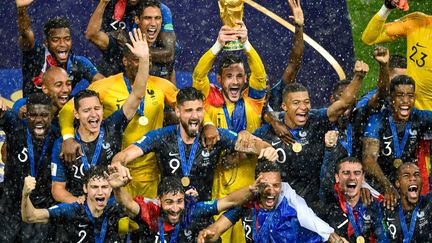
131	158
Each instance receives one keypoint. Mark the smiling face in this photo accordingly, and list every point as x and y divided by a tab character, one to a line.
232	80
409	183
172	206
150	22
296	106
350	178
98	192
39	120
89	114
403	99
191	116
59	43
269	193
57	85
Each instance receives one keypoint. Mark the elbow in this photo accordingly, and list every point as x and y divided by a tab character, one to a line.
367	39
90	35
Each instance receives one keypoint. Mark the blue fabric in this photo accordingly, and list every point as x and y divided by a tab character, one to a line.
167	24
256	94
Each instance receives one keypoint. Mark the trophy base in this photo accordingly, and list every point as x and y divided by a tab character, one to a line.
233	46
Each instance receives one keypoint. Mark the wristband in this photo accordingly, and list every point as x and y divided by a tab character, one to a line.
216	48
384	12
247	46
67	136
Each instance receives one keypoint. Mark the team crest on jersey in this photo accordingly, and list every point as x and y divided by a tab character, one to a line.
107	148
413	132
205	154
302	134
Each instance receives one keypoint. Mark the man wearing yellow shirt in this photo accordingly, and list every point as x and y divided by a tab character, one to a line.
113	92
416	28
235	107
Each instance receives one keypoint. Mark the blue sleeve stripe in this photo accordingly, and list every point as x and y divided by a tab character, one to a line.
256	94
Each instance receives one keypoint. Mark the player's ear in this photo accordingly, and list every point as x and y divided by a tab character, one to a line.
336	178
397	184
85	188
177	110
219	79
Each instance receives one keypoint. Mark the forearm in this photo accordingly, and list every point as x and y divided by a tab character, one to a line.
63	196
138	90
375	31
26	35
258	73
370	157
93	31
30	214
383	86
236	198
165	53
295	58
125	199
349	95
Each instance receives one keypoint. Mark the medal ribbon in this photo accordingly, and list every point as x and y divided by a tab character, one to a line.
238	121
408	234
99	238
399	147
293	132
174	234
33	169
258	232
347	144
186	166
357	225
97	151
140	109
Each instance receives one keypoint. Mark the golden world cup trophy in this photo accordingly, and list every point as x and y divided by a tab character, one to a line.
231	11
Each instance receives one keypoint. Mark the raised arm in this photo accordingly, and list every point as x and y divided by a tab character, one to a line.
349	95
26	35
127	155
371	147
94	31
296	55
29	213
139	49
238	197
200	79
117	182
382	56
60	194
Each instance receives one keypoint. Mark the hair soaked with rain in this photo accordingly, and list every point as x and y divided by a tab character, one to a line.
55	23
145	4
228	60
188	94
95	172
170	184
87	93
265	165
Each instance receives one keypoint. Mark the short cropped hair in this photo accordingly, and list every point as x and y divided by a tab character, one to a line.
347	159
189	94
95	172
401	80
55	23
84	94
170	184
39	99
226	61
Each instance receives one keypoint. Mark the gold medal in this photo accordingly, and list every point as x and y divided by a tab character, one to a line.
185	181
360	239
296	147
397	163
143	121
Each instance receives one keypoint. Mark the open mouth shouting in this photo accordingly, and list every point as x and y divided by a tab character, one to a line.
94	124
39	130
413	193
62	99
404	111
301	117
62	55
193	128
351	188
100	201
151	33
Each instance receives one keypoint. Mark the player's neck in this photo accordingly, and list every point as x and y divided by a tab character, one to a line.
86	135
94	211
352	201
407	206
185	137
290	124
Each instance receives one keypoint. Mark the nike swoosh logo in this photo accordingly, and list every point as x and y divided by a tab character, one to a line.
173	154
420	45
120	100
387	137
391	219
82	225
276	143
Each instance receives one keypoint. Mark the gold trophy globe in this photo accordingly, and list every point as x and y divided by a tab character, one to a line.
231	11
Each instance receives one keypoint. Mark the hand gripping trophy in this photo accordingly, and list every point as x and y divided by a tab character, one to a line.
231	11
